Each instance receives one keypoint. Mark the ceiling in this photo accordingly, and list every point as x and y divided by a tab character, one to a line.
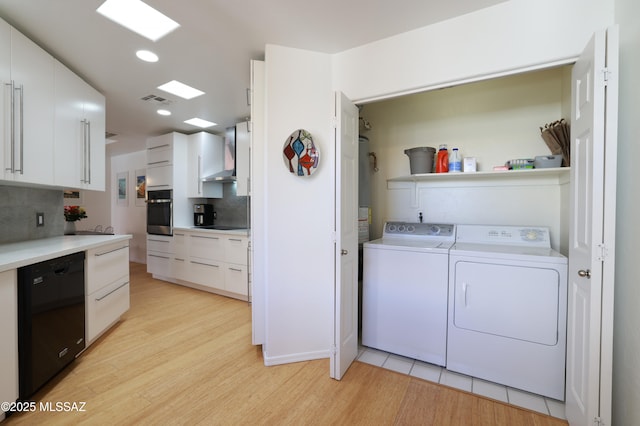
210	50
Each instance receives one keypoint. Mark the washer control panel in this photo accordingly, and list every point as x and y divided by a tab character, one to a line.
408	229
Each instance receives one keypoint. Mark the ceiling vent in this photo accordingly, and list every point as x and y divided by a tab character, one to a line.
158	100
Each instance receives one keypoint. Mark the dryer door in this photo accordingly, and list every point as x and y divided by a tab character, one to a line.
513	301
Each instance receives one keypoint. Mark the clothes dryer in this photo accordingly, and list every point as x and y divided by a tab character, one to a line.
507	308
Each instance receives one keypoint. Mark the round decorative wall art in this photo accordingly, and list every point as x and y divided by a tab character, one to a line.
301	156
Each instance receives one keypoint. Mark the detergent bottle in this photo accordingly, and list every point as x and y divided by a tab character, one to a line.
442	161
455	162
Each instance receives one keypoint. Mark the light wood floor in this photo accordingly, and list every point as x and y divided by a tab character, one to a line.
181	356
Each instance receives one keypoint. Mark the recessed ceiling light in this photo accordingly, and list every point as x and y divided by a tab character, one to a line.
180	89
147	56
164	112
199	122
139	17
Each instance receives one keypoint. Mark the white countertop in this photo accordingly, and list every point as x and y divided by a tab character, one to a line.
16	255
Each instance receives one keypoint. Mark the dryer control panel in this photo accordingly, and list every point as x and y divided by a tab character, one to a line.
531	236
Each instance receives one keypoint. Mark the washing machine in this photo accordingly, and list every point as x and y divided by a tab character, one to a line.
405	281
508	308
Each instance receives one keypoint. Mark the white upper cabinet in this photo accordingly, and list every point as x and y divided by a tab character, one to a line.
79	138
243	141
28	107
5	105
205	159
52	124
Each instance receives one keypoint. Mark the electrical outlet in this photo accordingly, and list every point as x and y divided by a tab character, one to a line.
40	219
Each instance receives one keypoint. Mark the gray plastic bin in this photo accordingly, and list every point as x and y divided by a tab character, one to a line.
421	159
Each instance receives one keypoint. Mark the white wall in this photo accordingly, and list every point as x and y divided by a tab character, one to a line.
493	121
512	35
299	211
626	364
129	218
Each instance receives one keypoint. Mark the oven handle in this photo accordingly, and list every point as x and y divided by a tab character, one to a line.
160	201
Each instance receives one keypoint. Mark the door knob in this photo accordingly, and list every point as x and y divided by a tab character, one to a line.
584	273
344	252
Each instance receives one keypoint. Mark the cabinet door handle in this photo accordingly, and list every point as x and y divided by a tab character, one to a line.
21	90
208	238
157	162
110	251
248	96
205	264
157	147
111	292
159	257
12	117
235	239
235	269
88	152
159	241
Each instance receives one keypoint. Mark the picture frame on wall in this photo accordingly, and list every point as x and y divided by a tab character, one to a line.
72	197
140	187
122	179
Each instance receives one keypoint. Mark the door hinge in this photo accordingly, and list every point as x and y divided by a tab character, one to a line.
603	252
333	349
606	75
334	122
597	421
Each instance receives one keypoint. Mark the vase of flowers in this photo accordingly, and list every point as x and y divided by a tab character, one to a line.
71	215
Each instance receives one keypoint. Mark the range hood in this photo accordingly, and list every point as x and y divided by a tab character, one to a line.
228	173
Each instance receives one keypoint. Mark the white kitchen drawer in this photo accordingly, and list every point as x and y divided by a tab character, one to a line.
160	243
179	268
206	246
160	177
207	273
105	306
159	263
106	264
235	279
235	250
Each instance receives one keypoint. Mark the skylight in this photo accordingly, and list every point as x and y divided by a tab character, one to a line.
199	122
180	89
138	17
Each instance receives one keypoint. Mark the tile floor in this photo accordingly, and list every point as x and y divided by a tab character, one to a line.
437	374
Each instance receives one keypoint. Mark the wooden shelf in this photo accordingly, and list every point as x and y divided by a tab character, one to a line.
559	172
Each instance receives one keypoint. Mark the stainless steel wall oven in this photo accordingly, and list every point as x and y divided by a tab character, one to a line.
160	212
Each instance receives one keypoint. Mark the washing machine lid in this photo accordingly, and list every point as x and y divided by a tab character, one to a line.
415	245
508	252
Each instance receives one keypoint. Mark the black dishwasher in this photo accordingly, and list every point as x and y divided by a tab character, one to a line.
50	319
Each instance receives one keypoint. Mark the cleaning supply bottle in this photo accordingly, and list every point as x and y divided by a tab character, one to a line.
455	162
442	161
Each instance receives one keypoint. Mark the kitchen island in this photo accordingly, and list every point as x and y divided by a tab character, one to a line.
106	291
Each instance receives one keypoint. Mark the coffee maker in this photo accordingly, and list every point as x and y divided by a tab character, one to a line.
203	214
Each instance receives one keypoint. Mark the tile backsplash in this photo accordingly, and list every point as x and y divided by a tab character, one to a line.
18	208
231	210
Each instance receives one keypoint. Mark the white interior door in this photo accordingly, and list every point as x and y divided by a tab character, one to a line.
592	232
346	228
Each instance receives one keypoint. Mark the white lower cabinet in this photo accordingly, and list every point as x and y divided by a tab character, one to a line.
107	287
235	279
159	255
213	260
179	259
8	337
